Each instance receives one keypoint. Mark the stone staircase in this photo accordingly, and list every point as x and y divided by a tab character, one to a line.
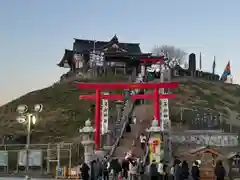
130	140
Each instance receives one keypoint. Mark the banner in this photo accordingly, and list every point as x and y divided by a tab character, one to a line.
104	120
3	158
165	120
156	151
34	158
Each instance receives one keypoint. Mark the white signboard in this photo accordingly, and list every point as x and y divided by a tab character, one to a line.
3	158
105	116
212	140
165	121
34	158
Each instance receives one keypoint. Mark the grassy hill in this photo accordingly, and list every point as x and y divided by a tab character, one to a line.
64	113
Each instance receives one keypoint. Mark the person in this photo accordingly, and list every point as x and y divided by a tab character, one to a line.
219	171
85	171
143	140
153	171
128	155
93	170
195	171
160	169
165	172
133	170
105	169
177	170
128	127
141	170
98	169
134	120
185	171
116	168
125	168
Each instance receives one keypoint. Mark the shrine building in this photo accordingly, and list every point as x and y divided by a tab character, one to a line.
112	55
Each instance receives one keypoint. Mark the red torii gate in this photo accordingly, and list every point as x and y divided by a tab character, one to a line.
98	97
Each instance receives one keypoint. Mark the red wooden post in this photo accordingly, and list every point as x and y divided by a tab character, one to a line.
97	132
156	105
97	97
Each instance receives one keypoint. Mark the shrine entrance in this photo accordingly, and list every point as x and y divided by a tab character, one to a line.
155	96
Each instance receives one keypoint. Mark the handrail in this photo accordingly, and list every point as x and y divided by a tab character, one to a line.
124	119
124	125
147	149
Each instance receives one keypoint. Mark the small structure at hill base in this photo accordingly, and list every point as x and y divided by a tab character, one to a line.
87	141
98	96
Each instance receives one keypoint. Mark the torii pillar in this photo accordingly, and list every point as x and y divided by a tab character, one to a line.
155	96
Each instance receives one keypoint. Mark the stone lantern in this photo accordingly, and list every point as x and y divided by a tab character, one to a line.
156	142
87	141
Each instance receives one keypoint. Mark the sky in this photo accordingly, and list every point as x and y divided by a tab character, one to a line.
34	34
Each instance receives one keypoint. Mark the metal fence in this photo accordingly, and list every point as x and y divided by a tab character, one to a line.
42	158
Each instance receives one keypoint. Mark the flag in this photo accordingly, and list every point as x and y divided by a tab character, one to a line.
200	61
214	65
226	72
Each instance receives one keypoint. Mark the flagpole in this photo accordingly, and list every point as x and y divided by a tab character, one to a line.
214	65
200	61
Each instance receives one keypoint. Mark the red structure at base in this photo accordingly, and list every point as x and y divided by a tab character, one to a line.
98	97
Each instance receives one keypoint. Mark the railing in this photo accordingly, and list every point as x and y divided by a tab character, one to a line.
123	124
147	150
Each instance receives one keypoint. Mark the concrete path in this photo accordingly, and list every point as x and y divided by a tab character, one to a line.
17	178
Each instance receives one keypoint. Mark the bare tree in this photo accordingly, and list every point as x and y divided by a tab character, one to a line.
174	55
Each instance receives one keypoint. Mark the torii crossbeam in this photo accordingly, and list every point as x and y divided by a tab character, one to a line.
98	97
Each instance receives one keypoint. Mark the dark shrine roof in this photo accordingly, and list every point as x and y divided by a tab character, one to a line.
68	55
81	45
113	49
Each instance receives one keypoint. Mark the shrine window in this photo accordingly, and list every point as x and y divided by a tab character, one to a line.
236	163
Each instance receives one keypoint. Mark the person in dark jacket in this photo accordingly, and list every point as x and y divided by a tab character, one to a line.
165	171
125	168
219	171
85	171
141	170
115	166
195	171
105	169
185	171
178	171
154	170
92	172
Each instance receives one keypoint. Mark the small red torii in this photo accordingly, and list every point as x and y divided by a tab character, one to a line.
98	97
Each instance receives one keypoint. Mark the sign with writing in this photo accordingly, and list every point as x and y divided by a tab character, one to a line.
156	151
204	139
202	120
3	158
34	158
105	115
165	121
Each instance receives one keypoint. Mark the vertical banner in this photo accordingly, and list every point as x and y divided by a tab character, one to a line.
3	158
156	148
165	121
105	115
34	158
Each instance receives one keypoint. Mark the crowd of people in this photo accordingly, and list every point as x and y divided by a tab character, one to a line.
181	171
133	169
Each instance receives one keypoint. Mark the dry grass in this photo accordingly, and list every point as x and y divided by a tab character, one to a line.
64	113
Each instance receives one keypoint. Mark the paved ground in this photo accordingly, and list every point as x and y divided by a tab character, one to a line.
16	178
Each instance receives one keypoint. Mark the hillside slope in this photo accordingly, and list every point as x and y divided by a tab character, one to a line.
64	113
